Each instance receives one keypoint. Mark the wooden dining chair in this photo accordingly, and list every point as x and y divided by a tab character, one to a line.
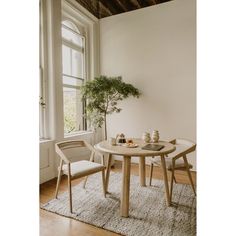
176	161
77	169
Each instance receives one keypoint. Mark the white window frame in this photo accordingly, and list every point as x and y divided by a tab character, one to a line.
88	25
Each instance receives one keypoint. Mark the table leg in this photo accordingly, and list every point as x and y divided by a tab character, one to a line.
108	171
163	164
124	207
142	171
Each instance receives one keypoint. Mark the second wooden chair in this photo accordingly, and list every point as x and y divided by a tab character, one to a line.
176	161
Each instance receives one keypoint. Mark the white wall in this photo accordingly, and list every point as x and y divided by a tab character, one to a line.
154	49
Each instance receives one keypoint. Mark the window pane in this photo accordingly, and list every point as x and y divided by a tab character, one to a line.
72	81
77	64
66	60
73	110
71	36
72	62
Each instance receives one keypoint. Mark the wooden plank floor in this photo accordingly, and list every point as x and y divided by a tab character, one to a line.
52	224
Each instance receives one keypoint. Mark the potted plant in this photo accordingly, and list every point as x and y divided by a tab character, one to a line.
102	95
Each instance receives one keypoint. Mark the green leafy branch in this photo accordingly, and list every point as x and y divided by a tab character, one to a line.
102	95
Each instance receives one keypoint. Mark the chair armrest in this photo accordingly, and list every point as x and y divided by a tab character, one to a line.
173	141
94	151
89	146
101	157
178	156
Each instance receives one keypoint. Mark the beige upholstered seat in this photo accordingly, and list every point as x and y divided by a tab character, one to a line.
176	160
179	164
82	168
77	169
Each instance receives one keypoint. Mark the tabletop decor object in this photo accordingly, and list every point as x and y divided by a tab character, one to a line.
146	137
120	138
153	147
130	145
155	136
113	141
102	95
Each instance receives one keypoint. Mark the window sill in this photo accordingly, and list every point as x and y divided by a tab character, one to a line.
79	133
45	140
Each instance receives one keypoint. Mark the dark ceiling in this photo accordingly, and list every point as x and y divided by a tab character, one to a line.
104	8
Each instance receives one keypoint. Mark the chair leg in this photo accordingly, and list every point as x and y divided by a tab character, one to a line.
58	178
172	179
108	170
85	181
104	183
189	174
151	171
103	160
69	188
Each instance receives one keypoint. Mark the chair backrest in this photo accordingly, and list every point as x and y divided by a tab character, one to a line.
64	145
187	146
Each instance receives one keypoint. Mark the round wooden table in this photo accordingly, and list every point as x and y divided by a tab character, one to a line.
127	153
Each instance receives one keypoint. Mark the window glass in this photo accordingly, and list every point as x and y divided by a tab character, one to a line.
72	62
73	110
73	77
68	80
71	36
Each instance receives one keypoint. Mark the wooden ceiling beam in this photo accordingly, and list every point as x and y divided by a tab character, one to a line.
161	1
129	5
122	5
112	6
136	3
151	2
142	3
104	11
90	5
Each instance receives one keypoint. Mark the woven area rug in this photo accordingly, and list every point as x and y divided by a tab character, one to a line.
149	214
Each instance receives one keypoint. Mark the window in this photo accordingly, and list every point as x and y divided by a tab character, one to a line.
73	76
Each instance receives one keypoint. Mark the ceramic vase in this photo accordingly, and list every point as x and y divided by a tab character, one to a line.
146	137
155	136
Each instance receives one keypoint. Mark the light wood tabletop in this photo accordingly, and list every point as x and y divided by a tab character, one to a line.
127	153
